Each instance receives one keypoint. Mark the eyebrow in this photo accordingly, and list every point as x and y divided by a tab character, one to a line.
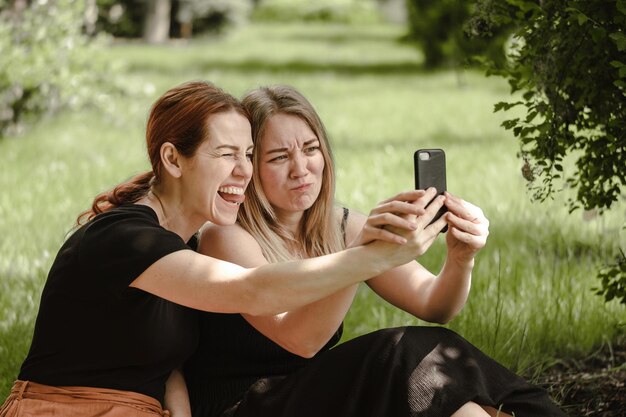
279	150
233	147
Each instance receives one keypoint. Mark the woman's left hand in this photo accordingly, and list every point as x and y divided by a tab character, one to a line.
468	229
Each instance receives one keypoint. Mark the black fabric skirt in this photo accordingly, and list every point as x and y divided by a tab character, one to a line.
408	371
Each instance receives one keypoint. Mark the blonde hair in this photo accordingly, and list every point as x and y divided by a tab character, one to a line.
319	232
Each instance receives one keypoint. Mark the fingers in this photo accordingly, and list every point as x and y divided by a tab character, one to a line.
467	223
389	219
465	210
408	204
397	219
369	234
431	210
398	208
406	196
471	233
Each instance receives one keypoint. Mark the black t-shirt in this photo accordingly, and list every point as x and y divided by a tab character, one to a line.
92	328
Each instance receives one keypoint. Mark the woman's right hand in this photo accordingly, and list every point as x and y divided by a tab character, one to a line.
392	212
418	238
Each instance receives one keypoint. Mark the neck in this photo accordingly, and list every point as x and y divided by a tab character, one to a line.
291	221
170	215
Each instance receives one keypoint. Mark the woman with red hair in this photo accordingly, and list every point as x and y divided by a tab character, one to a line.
117	313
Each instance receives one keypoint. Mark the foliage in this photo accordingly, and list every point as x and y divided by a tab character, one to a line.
125	18
213	15
121	18
438	27
47	64
569	62
613	280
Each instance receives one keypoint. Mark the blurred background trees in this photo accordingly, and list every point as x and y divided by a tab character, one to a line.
564	60
438	27
47	62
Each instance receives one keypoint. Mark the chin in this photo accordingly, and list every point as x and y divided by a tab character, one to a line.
223	221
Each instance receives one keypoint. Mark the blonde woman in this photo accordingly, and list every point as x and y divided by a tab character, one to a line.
285	365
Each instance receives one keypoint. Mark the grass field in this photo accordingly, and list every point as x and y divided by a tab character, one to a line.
531	300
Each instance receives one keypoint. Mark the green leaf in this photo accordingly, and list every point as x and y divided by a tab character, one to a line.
598	34
617	64
499	106
621	6
620	40
510	124
528	95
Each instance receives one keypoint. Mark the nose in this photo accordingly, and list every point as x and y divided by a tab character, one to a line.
299	166
243	168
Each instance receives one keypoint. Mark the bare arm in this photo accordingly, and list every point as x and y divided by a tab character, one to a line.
439	298
176	396
302	331
205	283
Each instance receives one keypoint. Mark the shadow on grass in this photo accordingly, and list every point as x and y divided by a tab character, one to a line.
443	138
250	66
345	37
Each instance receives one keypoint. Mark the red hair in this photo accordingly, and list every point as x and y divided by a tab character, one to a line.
180	117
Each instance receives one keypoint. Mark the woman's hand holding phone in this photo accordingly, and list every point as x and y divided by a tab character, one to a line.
468	229
394	216
420	237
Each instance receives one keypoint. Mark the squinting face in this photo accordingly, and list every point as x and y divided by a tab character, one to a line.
291	164
219	172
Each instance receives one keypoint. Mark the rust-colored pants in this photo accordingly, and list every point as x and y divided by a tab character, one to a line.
28	399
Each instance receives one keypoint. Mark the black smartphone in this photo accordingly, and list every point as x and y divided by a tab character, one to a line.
430	171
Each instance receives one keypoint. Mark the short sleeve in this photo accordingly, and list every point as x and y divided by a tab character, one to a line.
117	246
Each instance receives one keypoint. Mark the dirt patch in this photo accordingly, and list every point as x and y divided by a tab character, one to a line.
591	386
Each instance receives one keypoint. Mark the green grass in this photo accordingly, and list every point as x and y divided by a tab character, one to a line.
531	300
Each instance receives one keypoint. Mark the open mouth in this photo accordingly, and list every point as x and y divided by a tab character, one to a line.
233	195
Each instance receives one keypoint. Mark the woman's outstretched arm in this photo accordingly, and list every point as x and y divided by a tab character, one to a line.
205	283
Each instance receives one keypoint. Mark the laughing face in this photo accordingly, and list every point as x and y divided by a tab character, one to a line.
220	170
291	164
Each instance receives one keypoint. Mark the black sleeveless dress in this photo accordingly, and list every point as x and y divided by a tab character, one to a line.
399	372
405	371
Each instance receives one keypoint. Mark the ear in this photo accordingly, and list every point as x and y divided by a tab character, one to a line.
171	159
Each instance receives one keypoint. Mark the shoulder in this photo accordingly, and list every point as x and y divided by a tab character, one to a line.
128	225
231	243
232	234
122	243
124	219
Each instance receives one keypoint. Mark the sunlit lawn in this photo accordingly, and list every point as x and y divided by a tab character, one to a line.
531	298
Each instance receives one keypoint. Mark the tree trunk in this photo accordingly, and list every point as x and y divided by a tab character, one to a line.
186	30
90	17
157	22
